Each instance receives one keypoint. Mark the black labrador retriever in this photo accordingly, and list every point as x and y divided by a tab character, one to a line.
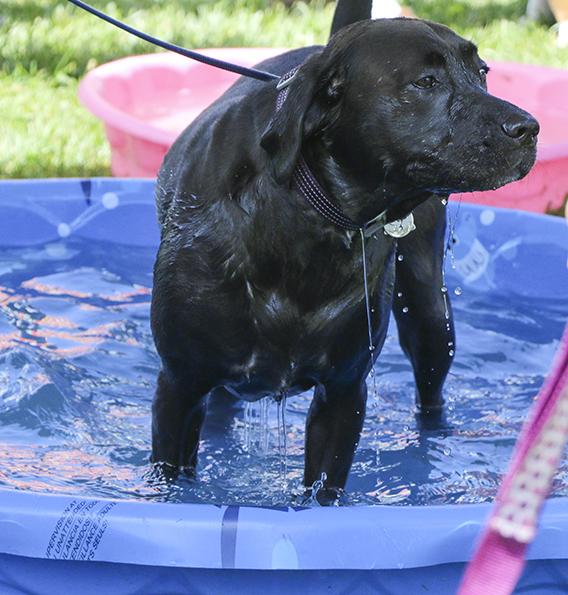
257	293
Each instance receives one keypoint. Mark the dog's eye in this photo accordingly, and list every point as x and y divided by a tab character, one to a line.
426	82
483	71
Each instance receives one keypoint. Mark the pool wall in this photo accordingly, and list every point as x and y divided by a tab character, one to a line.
111	546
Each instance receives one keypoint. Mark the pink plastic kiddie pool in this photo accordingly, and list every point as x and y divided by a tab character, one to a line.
146	101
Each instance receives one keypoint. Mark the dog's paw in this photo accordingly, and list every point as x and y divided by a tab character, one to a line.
163	472
432	420
325	496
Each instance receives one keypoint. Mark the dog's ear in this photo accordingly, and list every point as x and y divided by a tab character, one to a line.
309	106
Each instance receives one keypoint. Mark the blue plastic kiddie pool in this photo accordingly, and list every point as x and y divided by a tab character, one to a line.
76	512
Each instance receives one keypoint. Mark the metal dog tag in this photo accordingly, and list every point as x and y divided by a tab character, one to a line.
401	227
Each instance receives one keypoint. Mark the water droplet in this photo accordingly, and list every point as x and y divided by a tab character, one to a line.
399	294
458	291
400	258
447	452
405	309
444	201
450	344
444	289
452	353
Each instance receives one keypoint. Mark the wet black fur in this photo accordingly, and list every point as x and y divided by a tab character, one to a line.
256	294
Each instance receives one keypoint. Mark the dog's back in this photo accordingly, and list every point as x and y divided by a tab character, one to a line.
244	107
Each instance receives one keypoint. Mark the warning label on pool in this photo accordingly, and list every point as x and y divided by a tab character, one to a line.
78	532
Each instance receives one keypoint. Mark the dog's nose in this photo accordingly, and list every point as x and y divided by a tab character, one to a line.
521	127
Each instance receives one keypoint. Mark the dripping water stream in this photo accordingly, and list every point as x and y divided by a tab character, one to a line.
282	441
367	300
368	309
257	431
449	248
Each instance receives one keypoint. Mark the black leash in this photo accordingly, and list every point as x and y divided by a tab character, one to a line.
242	70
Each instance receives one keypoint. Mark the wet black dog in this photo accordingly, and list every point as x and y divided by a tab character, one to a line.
256	294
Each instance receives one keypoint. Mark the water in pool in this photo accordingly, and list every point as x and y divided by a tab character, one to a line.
77	373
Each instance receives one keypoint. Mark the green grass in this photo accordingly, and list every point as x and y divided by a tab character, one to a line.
46	47
46	132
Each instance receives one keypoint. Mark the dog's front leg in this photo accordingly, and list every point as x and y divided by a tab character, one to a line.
178	413
422	306
333	428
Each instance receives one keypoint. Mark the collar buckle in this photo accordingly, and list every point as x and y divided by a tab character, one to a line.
401	227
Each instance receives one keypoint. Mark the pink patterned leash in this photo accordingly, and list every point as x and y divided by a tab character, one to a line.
500	556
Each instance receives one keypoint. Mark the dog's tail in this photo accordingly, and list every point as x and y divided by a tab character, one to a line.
350	11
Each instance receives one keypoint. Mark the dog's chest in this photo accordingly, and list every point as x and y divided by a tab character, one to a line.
315	295
299	338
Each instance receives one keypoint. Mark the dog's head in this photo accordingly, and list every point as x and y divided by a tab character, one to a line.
407	99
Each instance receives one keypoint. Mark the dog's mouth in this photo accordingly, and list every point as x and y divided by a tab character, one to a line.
482	168
502	168
523	166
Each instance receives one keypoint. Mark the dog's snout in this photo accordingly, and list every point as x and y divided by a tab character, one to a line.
522	127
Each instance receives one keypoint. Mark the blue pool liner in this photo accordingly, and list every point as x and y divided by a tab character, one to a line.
49	543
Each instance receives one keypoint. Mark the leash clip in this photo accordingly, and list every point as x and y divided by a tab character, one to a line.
287	79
